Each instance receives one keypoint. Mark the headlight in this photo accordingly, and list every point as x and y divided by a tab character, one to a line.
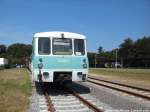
84	60
84	65
40	65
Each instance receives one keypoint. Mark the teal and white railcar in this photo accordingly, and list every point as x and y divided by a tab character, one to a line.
59	56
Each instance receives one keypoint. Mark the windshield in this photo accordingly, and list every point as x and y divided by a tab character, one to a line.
44	46
62	46
79	47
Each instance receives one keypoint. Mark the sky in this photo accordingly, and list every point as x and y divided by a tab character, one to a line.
105	23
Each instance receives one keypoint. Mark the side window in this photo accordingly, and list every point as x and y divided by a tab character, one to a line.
79	47
44	46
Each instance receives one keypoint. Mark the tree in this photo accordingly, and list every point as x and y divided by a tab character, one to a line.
91	58
131	54
3	51
19	53
142	47
126	51
100	49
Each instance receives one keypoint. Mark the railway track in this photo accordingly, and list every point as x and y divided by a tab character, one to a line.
131	90
64	99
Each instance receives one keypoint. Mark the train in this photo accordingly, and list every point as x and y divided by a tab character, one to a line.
59	57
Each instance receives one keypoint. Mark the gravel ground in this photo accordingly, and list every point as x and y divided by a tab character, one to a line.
33	99
108	99
37	100
34	102
114	99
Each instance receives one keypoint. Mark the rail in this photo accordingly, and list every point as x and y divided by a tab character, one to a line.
132	90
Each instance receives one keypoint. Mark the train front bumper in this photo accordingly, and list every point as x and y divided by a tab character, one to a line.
48	75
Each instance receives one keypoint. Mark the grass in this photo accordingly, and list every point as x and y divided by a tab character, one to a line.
137	77
15	89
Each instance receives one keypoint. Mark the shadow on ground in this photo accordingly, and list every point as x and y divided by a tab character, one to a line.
58	89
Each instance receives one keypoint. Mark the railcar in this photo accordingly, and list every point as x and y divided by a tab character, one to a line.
58	57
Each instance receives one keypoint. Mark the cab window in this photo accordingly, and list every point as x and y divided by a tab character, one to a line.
62	46
44	46
79	47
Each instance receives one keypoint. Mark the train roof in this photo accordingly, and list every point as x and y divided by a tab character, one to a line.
58	34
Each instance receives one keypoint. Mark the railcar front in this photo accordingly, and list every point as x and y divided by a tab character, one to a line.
59	56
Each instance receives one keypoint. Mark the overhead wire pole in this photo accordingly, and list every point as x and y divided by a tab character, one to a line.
95	60
116	58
